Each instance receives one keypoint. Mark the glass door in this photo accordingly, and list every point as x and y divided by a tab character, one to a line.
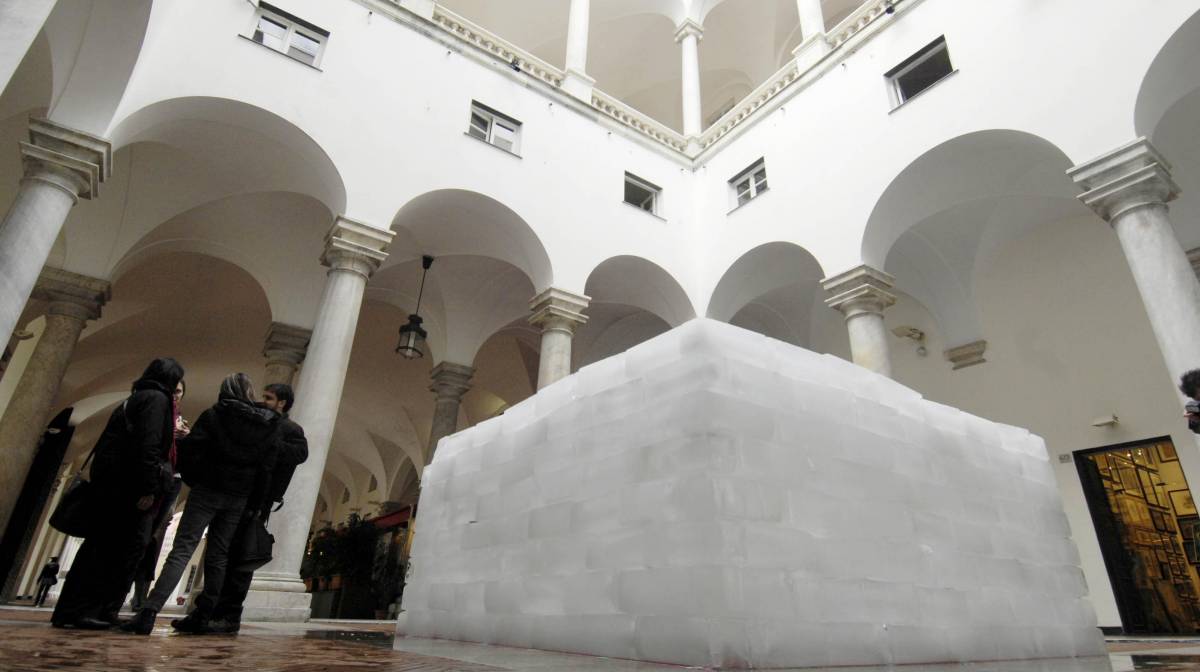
1147	524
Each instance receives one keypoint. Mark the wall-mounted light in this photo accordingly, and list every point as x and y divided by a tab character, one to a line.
411	334
1110	420
915	334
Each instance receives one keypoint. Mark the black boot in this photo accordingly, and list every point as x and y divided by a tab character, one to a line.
141	624
194	623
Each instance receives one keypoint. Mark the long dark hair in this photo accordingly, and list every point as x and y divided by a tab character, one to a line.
164	371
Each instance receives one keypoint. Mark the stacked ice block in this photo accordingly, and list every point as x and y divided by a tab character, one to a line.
716	497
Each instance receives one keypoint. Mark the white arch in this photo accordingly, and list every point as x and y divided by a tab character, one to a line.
639	282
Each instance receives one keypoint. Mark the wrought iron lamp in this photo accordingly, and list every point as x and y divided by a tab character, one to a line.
411	334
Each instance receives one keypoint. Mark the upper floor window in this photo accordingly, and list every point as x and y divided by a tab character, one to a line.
494	128
288	34
750	183
920	71
641	194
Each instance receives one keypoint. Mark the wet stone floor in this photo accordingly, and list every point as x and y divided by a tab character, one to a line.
29	644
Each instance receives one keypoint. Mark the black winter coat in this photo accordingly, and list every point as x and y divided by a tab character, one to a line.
292	452
132	453
229	447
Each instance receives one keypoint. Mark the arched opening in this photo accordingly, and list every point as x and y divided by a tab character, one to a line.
775	290
632	300
947	213
1168	113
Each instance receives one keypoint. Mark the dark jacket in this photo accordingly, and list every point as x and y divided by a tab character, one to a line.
229	446
132	452
49	574
293	451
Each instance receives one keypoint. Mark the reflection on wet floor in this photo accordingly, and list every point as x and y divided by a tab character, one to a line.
1165	663
380	639
29	644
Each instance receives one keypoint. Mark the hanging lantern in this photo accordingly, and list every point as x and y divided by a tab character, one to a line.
412	336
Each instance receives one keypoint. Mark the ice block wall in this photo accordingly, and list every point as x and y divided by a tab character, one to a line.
716	497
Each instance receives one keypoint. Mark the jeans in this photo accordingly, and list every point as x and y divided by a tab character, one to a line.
220	513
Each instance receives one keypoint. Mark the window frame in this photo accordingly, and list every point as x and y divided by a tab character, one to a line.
654	190
292	25
494	118
755	187
911	63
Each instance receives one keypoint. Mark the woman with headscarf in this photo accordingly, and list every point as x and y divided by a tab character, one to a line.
131	469
228	448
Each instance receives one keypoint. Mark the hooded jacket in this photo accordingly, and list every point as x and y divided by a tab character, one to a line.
229	447
131	454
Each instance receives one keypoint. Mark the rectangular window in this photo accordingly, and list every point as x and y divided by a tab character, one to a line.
288	34
641	194
920	71
494	128
749	183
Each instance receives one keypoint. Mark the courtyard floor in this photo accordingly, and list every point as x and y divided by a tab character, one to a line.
29	644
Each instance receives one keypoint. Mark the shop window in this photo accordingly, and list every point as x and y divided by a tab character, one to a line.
750	183
920	71
287	34
641	194
494	128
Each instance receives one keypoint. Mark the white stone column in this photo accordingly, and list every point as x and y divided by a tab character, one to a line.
73	300
812	47
577	82
812	18
61	165
353	252
861	294
450	382
688	36
559	313
284	349
1129	188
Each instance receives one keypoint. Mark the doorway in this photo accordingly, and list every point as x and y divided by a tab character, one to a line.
1146	522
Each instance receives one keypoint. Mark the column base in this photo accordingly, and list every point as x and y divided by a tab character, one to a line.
811	51
276	598
579	85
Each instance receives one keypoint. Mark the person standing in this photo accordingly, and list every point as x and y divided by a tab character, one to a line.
225	616
164	510
221	459
1189	385
131	469
47	578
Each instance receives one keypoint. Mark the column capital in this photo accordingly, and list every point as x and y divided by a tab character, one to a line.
689	27
72	294
353	246
558	309
859	290
72	160
966	355
1125	178
286	344
450	380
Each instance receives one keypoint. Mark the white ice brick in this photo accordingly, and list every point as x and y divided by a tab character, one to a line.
714	497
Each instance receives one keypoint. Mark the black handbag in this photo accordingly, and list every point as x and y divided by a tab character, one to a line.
251	548
75	514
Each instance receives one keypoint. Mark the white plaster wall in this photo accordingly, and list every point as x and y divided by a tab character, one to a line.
389	108
1068	341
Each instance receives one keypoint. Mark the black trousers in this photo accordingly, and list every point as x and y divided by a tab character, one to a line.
104	566
228	606
43	589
